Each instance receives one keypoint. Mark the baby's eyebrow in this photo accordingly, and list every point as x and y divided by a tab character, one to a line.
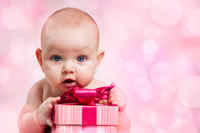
51	48
84	51
79	50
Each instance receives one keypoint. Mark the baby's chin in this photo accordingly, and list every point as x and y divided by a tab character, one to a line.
59	90
64	89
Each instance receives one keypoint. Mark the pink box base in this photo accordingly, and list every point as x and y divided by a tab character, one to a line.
84	129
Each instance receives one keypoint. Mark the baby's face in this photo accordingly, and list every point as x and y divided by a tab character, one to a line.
69	56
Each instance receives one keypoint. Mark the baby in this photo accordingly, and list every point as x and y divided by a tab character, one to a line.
69	56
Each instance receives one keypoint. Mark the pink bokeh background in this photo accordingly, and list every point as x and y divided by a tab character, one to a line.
152	53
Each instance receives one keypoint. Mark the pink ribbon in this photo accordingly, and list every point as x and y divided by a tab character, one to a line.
83	96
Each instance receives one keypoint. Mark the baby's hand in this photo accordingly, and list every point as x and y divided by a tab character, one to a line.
43	113
117	97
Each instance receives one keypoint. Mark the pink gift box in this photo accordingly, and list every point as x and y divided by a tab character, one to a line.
85	119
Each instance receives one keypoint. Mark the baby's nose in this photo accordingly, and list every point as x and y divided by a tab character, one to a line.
68	67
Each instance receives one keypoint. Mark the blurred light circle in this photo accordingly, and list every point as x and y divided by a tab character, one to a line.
139	128
26	24
12	17
134	68
16	53
183	111
130	66
159	131
143	88
123	35
165	97
150	47
151	31
169	90
29	52
161	73
148	116
37	74
192	25
165	115
186	32
5	75
149	58
189	92
8	119
166	12
181	125
196	117
182	65
140	4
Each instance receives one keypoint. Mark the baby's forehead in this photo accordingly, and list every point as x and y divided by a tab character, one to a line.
69	50
71	37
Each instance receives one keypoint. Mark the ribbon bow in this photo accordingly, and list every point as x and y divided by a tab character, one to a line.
82	96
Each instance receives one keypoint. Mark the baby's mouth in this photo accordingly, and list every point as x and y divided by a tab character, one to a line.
68	81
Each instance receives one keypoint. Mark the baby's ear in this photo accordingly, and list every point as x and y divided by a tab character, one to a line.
99	57
38	54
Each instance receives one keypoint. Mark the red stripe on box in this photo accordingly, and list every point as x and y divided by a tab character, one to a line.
89	115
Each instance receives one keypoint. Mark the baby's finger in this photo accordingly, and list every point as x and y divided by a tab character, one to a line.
49	122
118	98
120	104
55	100
112	95
112	90
50	106
116	91
115	103
112	99
105	102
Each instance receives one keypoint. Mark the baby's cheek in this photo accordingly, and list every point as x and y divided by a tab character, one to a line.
53	77
84	77
84	80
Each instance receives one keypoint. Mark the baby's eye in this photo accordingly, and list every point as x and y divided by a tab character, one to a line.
56	58
81	58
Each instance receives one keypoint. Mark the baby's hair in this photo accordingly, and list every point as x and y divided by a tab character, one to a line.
70	17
